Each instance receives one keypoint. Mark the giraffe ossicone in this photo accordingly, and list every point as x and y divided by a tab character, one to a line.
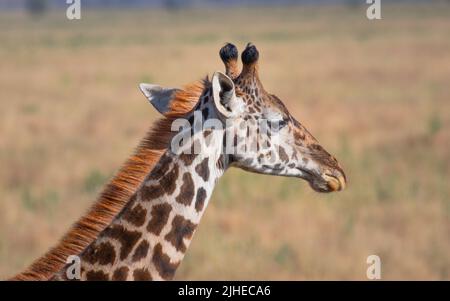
145	219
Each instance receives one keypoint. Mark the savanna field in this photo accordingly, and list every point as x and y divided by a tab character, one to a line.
376	94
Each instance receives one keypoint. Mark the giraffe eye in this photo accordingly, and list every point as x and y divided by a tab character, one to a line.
278	124
282	123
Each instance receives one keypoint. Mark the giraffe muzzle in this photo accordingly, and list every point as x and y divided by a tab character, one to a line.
335	182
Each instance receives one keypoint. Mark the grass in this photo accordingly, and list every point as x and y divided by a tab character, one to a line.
375	94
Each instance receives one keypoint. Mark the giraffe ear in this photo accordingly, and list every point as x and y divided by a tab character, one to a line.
224	95
158	96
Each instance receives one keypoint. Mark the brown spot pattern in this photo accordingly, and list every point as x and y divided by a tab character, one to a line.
202	169
283	156
166	184
221	162
151	192
186	191
162	263
187	158
96	276
160	214
141	251
102	253
168	181
181	229
126	238
120	274
142	275
298	135
200	199
136	216
161	168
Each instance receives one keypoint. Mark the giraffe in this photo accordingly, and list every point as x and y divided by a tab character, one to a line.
144	221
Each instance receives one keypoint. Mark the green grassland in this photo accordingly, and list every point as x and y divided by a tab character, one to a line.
375	93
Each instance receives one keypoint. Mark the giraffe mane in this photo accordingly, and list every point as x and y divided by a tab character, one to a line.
119	190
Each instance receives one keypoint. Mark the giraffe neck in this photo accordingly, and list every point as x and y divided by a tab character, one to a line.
149	238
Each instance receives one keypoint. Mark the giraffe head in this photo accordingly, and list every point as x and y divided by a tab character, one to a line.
261	135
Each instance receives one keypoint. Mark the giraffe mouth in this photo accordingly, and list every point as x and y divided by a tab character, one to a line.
335	183
325	182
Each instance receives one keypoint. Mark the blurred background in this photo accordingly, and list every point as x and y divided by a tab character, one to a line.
374	93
